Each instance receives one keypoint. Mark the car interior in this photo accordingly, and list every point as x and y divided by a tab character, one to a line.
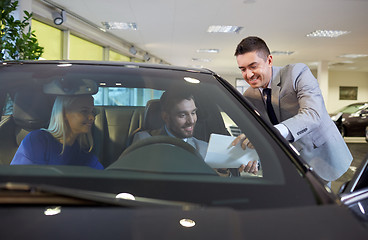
30	111
113	130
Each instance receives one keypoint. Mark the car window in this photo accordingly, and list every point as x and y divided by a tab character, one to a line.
115	96
124	103
352	108
8	106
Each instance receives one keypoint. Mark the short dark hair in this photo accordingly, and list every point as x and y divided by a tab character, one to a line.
170	98
251	44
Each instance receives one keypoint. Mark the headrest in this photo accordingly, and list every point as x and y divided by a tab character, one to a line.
31	109
152	115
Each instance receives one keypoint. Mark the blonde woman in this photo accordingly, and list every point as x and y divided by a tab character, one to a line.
68	139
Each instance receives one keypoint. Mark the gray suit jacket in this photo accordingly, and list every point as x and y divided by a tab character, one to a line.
298	104
200	145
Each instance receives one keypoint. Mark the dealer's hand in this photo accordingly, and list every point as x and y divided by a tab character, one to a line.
251	167
244	142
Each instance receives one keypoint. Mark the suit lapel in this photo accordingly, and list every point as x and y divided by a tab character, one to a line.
275	86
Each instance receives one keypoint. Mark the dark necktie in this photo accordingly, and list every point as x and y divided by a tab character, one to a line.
270	111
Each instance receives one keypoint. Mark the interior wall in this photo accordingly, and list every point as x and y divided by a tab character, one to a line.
231	78
346	79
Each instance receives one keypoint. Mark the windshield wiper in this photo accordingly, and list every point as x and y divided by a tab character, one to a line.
91	196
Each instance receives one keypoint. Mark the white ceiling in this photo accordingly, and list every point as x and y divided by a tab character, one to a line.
174	30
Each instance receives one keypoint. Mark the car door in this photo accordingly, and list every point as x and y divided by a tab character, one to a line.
362	122
356	122
354	194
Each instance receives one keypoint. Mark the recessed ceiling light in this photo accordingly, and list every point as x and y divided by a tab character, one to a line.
188	223
337	64
313	63
275	53
327	33
352	68
120	25
354	55
201	59
126	196
191	80
50	211
347	62
208	50
224	29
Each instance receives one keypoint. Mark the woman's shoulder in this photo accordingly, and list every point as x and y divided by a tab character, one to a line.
39	135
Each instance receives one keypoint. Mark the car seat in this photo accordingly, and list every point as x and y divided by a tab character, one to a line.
152	115
31	110
151	118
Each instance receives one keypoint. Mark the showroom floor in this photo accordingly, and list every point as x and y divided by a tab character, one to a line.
359	149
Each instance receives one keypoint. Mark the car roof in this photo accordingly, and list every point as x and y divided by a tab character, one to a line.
112	63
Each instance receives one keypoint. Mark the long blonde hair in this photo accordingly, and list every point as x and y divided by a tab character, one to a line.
59	127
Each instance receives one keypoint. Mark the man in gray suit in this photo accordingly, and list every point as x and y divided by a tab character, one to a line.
291	99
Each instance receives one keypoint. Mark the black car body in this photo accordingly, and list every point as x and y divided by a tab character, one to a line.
159	188
352	120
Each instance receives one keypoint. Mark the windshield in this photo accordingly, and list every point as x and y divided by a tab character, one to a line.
353	108
175	150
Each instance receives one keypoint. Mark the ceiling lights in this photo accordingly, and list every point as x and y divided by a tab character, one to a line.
201	59
275	53
120	25
327	33
132	50
59	18
224	29
146	57
354	55
208	50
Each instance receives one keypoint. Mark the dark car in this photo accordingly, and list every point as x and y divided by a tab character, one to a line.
160	187
352	120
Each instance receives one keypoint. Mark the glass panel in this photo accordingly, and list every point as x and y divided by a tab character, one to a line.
154	167
81	49
115	96
114	56
50	39
8	108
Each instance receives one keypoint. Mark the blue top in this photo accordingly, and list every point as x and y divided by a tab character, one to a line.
39	147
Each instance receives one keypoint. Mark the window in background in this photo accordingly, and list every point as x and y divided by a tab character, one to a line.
50	39
113	96
114	56
81	49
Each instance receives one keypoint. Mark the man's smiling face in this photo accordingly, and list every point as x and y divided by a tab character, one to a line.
182	118
256	70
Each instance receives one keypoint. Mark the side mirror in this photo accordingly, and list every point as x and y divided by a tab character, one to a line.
364	112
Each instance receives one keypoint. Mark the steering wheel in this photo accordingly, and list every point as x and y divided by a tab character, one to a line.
164	140
162	154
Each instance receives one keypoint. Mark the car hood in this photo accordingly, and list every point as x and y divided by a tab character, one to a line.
315	222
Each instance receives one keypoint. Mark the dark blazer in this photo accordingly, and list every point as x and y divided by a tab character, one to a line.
299	105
